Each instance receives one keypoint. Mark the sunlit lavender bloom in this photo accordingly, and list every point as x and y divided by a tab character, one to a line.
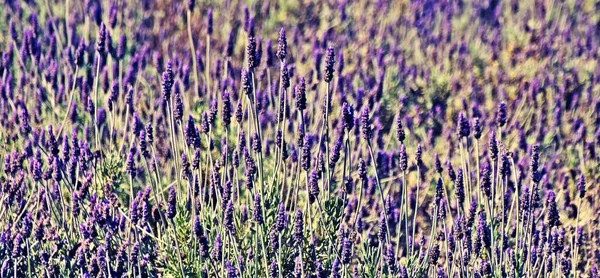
257	214
501	114
282	45
299	228
172	203
329	64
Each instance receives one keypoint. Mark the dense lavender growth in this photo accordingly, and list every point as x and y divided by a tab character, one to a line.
299	138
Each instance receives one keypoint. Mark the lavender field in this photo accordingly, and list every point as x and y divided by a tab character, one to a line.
228	138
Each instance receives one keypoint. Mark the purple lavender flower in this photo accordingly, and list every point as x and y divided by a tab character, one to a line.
438	164
552	216
246	82
335	152
565	265
227	109
257	214
209	22
365	125
285	76
178	106
281	221
306	155
129	97
191	137
79	52
434	254
121	47
150	133
269	53
274	269
362	170
298	267
167	82
229	218
382	234
485	268
439	192
335	269
419	155
256	144
504	165
594	272
100	44
346	251
459	189
230	44
501	114
299	228
314	190
205	123
172	203
131	170
486	181
403	158
403	273
217	252
400	134
464	129
251	53
282	45
534	164
581	186
580	237
493	147
300	95
477	128
24	125
329	64
348	116
442	210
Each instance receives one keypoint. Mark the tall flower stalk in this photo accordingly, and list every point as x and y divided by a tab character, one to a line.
190	9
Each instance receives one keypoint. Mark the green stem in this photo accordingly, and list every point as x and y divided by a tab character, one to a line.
71	94
193	50
374	163
96	100
177	247
416	210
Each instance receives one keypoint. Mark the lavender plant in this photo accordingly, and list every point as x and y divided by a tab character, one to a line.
299	139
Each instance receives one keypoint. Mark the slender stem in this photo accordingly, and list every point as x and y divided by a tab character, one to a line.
517	198
264	249
374	163
308	207
28	258
478	170
279	256
574	245
360	193
416	210
127	109
466	175
177	247
207	67
399	226
71	94
96	100
193	50
326	126
67	21
174	143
